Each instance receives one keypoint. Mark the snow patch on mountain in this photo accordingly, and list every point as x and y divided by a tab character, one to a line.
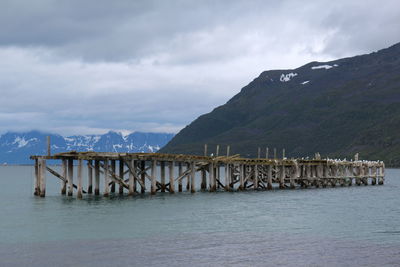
15	148
21	142
287	77
327	67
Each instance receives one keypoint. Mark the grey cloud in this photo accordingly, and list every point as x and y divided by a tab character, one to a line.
89	66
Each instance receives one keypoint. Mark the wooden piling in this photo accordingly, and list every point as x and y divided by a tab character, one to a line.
293	175
212	177
227	177
79	191
162	167
106	178
70	177
269	177
188	176
121	175
282	177
113	169
90	177
180	172
241	176
205	150
255	178
37	178
193	177
64	167
143	176
153	187
43	178
171	177
132	169
97	177
203	185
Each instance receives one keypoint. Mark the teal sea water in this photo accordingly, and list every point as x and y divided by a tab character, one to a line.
342	226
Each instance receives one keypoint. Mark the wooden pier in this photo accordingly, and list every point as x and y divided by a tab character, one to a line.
138	173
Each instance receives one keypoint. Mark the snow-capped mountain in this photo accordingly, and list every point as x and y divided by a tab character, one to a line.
15	148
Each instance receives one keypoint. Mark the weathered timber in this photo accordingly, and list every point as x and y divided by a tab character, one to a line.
239	173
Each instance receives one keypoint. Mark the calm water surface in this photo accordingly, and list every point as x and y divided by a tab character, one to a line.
350	226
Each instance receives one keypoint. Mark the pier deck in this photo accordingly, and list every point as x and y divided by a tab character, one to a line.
138	173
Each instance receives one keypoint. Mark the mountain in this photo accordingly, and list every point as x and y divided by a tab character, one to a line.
15	148
336	108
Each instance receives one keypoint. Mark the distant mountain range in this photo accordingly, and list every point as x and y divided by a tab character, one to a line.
15	148
336	108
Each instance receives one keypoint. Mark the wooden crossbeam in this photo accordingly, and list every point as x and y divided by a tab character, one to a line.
56	174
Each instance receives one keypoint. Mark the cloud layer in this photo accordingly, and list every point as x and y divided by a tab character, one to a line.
90	66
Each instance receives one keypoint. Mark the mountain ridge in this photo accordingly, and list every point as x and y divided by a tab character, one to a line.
338	108
15	148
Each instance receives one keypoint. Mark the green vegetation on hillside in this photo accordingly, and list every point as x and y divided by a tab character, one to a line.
353	106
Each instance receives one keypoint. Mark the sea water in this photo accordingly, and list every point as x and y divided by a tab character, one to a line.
342	226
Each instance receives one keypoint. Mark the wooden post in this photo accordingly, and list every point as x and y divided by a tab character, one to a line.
70	176
259	152
373	175
205	150
96	177
217	174
269	177
192	177
37	178
228	149
241	176
217	152
64	168
266	153
350	174
320	173
212	177
43	178
106	179
153	187
274	153
282	177
255	180
171	177
143	176
79	192
381	179
227	177
90	176
162	167
283	153
132	186
48	146
179	174
203	179
357	172
113	168
293	176
121	175
188	177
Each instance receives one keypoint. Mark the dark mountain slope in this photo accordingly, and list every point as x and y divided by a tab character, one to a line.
337	108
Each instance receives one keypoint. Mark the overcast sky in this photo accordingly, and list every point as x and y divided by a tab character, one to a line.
88	66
